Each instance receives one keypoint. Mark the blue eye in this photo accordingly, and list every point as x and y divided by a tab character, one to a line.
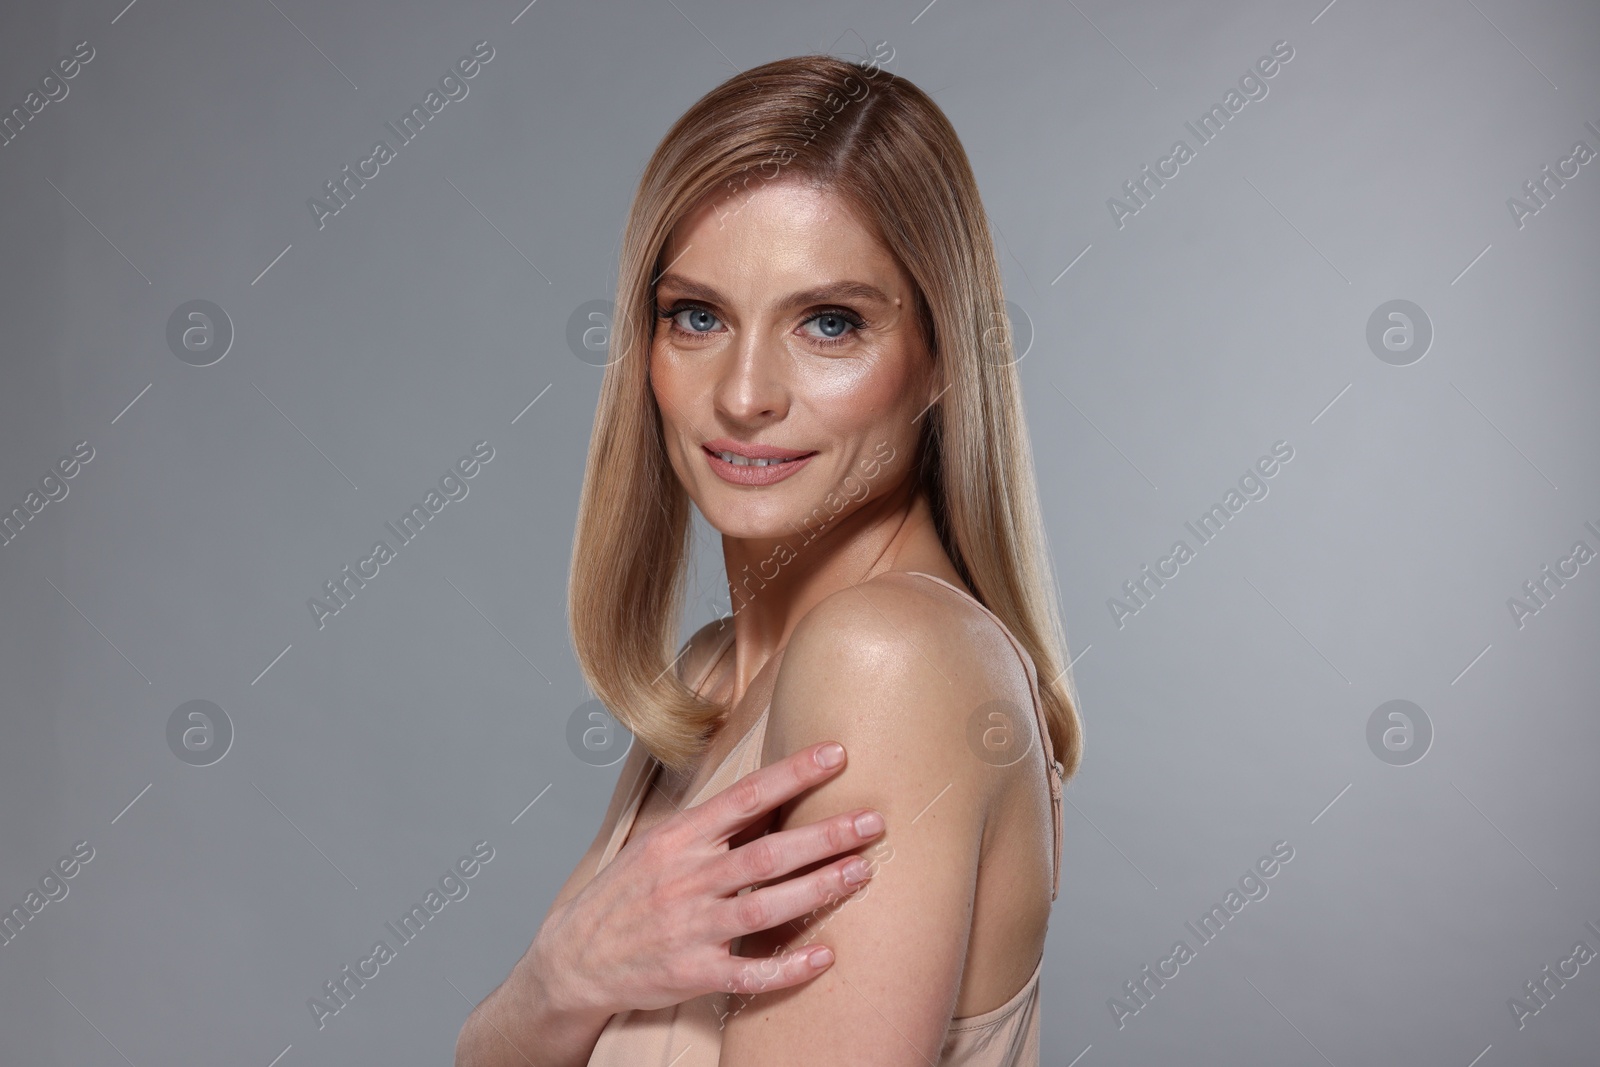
700	322
830	323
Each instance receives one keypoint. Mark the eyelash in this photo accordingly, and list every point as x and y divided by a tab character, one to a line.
671	314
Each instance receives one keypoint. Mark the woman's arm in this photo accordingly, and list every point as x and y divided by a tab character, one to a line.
526	1022
894	676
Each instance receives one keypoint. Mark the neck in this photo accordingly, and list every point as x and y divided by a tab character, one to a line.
773	583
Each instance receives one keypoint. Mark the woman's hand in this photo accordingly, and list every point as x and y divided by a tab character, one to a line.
654	928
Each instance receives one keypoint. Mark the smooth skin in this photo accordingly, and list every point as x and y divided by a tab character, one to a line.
772	334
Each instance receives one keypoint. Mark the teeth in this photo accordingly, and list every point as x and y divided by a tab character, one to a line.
745	461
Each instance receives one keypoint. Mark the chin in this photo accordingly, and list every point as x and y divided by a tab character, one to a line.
768	520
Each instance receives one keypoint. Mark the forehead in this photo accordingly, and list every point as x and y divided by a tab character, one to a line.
773	237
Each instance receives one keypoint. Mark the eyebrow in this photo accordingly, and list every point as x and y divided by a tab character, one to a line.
835	292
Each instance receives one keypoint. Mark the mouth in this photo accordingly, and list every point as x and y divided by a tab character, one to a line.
739	460
732	451
751	464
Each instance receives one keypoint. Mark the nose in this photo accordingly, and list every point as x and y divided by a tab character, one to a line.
751	388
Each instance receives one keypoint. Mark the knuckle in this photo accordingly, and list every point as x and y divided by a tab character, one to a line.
765	858
757	974
741	978
745	795
840	888
751	912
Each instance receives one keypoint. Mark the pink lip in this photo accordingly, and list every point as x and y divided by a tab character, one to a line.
746	475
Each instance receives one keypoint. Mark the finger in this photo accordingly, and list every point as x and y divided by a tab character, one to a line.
723	814
776	854
775	905
762	974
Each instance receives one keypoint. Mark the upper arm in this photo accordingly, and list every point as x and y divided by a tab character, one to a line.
892	674
691	661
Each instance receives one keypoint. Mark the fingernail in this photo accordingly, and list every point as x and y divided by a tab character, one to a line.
869	823
831	754
821	957
855	872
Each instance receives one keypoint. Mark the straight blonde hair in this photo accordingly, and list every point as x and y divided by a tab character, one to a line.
886	148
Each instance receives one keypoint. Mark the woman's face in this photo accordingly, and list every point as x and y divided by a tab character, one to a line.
784	329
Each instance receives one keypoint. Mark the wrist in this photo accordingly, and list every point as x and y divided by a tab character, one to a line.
549	976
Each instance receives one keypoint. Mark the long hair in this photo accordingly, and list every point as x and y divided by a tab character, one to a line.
886	148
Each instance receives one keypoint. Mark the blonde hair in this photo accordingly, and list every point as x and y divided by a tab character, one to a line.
883	145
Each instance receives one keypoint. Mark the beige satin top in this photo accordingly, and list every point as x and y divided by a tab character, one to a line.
690	1034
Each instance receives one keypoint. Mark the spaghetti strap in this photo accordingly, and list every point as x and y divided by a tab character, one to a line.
711	664
1054	771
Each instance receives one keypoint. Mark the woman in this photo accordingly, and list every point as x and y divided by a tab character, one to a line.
811	348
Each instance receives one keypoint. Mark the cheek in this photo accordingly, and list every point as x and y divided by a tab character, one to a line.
673	386
667	381
859	396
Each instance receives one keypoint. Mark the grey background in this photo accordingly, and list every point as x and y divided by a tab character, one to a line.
1231	312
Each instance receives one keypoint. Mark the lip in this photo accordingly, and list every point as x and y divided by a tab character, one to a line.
746	475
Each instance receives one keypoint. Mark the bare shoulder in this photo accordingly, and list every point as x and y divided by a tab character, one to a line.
902	665
910	630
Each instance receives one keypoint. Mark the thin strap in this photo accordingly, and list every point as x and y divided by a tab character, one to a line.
709	667
1054	770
